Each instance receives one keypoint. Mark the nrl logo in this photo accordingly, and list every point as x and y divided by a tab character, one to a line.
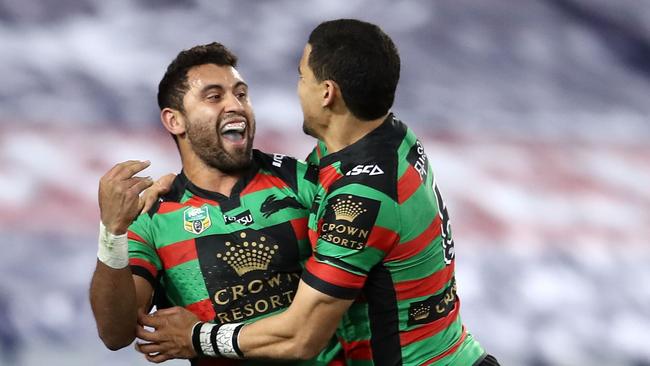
196	219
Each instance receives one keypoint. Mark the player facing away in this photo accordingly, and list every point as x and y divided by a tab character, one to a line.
382	272
229	240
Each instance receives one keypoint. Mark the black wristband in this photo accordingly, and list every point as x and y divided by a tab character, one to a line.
235	342
196	342
213	339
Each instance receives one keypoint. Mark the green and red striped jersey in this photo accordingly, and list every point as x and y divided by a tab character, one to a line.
380	234
230	259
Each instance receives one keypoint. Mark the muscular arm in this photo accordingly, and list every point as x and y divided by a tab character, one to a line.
116	296
300	332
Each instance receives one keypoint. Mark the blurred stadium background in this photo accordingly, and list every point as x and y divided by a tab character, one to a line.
534	114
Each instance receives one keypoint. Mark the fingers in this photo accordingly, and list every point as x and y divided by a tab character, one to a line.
158	358
148	320
139	184
169	311
157	189
146	335
152	351
165	182
127	169
148	347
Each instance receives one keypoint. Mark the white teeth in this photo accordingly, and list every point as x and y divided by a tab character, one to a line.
234	127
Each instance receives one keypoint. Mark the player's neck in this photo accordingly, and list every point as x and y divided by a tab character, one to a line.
345	129
207	177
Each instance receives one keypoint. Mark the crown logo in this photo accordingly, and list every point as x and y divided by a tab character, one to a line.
248	256
346	209
420	312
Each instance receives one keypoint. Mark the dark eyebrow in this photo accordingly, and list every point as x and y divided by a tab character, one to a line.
208	87
240	83
299	72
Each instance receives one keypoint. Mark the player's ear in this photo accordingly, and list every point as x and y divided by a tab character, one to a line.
173	121
330	91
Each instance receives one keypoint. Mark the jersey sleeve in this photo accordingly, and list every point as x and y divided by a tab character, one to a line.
356	226
143	258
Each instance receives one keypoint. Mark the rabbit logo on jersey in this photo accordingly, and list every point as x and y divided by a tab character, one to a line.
196	219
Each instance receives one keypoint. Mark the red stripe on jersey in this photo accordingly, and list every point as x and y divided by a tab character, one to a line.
327	176
334	275
139	262
424	286
415	245
357	350
300	227
177	253
196	201
261	182
382	239
133	236
407	184
203	309
429	330
166	207
449	351
313	238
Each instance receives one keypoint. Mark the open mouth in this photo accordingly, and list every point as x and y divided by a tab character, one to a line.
234	131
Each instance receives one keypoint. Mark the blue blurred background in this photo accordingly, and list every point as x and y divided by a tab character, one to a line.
535	115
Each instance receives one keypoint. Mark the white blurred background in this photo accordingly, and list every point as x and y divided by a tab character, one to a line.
535	115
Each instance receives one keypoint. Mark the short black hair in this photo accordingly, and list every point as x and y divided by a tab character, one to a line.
173	85
361	59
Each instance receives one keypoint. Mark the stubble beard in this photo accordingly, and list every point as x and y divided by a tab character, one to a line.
207	145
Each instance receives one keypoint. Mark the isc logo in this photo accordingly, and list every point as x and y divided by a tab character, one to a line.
372	169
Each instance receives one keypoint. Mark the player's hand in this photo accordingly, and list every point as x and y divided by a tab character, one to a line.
171	336
160	187
119	195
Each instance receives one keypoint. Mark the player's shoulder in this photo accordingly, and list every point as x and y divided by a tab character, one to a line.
174	195
286	168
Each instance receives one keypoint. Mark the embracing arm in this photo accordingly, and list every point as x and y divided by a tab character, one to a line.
300	332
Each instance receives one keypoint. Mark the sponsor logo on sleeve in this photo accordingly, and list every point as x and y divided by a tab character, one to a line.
418	159
245	218
434	307
348	220
196	219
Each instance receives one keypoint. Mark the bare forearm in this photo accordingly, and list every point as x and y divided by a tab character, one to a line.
114	304
298	333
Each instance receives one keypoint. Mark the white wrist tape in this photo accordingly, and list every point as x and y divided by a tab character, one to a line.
113	250
204	340
217	340
226	340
